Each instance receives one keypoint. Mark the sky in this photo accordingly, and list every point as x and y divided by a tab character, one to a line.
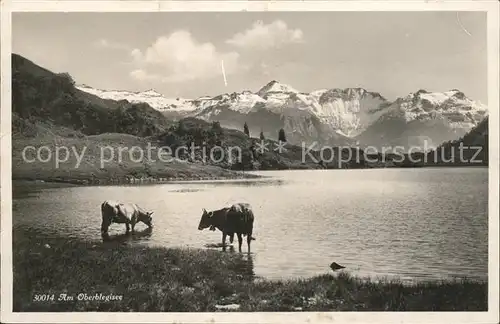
181	54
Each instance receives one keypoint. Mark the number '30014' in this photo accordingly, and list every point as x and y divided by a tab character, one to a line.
43	297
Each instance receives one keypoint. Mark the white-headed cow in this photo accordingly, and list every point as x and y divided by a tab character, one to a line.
237	219
123	213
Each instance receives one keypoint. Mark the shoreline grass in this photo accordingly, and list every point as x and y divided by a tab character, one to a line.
196	280
89	181
93	168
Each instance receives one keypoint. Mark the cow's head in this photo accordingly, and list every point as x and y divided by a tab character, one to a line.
206	220
146	218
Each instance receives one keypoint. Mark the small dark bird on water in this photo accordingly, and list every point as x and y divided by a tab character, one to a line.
335	266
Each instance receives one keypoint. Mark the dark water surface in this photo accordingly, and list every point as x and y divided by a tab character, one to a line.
414	224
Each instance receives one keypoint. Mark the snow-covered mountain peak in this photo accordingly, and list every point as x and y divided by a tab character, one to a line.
435	98
151	97
348	94
275	86
241	102
427	100
452	105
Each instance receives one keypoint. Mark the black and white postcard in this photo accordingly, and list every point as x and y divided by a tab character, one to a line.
250	162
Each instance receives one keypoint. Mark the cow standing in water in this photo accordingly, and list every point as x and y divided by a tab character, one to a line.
128	214
237	219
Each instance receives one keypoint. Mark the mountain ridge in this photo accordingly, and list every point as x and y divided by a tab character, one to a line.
333	116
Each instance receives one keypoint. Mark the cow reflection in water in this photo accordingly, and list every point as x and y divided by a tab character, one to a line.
245	267
242	263
128	237
237	219
219	245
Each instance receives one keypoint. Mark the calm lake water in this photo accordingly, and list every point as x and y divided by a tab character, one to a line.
414	224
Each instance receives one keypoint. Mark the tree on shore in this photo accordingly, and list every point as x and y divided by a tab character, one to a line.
262	137
245	129
281	135
216	127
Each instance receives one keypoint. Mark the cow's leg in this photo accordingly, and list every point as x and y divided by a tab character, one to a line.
240	241
104	226
231	238
133	222
223	241
249	239
128	227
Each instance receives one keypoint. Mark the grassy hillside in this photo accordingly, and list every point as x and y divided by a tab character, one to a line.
116	157
474	151
97	159
42	97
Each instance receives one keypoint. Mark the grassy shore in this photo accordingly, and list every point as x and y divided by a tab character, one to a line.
173	279
101	163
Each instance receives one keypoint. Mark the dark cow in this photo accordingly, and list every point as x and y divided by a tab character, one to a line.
237	219
128	214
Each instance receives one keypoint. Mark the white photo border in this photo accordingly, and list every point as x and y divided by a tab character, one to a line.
493	28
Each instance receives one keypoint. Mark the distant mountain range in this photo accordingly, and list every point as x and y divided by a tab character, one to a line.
352	116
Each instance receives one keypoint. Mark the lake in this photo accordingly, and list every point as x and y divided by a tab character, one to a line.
413	224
